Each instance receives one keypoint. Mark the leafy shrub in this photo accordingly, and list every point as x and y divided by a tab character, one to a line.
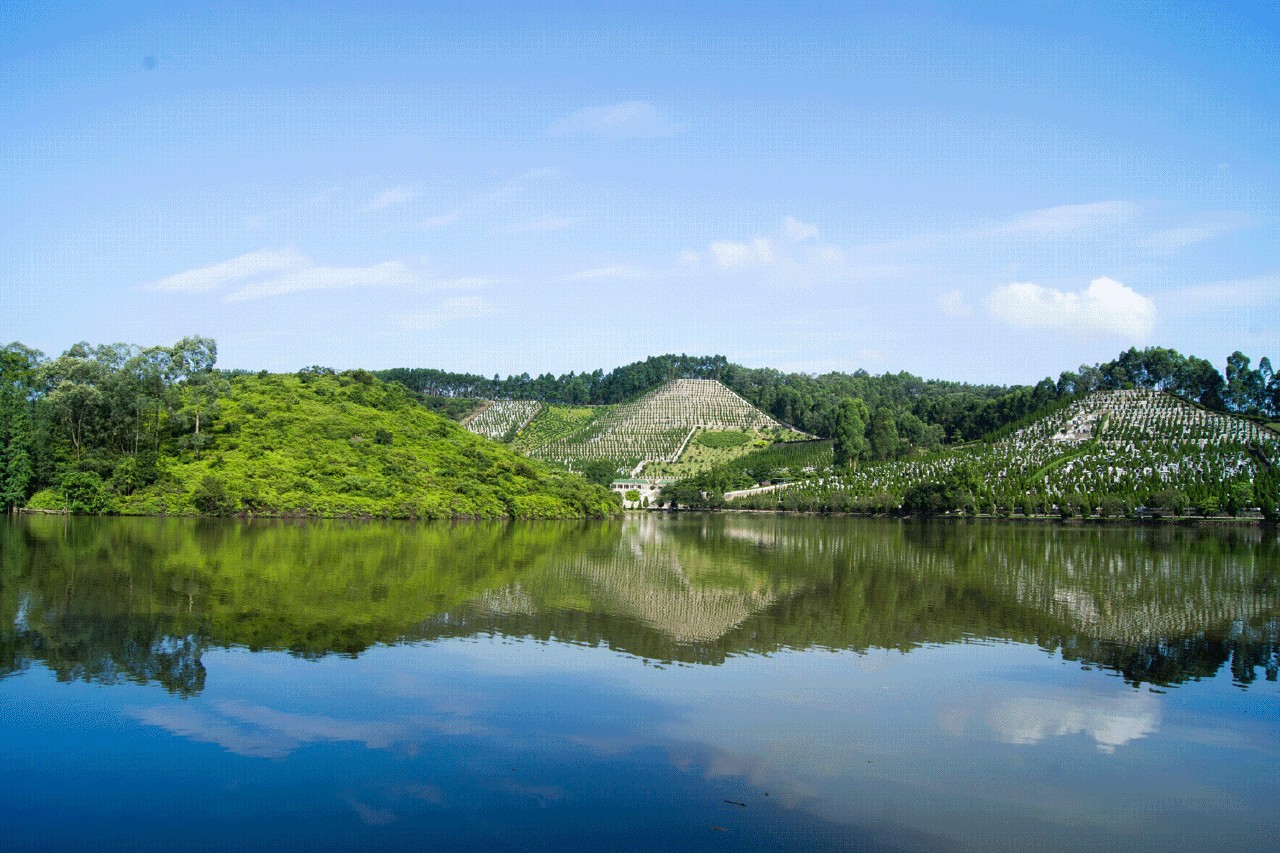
85	493
211	498
1171	499
1208	505
134	472
602	472
1110	506
46	499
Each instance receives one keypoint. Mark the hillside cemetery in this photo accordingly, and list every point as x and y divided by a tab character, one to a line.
1110	452
502	419
655	428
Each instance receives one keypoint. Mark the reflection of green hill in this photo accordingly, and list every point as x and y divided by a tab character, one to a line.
141	599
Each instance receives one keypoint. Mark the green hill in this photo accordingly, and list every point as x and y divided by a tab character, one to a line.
1109	452
350	445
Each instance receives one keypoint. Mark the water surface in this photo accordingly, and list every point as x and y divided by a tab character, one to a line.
700	682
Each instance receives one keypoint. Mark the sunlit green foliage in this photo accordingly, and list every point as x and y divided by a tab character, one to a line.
554	423
783	461
351	445
700	456
926	412
124	429
17	432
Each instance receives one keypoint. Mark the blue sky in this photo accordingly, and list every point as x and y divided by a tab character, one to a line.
987	192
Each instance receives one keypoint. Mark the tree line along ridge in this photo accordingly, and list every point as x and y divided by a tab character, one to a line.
121	428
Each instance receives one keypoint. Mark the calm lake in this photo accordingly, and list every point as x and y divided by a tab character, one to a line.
690	682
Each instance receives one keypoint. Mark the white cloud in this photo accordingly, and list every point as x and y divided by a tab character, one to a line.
1173	240
758	252
542	224
608	272
1105	306
269	273
393	196
791	258
953	303
796	231
1069	219
387	273
214	276
466	282
515	186
1222	296
1112	721
263	732
616	121
449	311
439	221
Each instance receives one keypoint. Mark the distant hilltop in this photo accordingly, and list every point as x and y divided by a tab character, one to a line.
1152	428
927	413
655	428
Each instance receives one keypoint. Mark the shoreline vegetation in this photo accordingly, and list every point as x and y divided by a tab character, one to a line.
159	431
118	430
1153	518
1079	521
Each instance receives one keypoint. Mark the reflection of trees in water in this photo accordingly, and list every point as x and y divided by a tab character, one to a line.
1160	605
109	652
1124	585
88	625
138	599
1246	647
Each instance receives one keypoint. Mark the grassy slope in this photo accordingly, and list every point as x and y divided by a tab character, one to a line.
352	445
702	453
784	459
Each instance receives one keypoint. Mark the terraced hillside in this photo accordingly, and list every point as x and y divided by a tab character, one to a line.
653	428
1137	447
502	419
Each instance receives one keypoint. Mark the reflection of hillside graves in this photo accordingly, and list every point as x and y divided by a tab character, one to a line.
673	589
136	599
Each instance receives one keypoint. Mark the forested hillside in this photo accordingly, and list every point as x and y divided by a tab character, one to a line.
119	429
926	413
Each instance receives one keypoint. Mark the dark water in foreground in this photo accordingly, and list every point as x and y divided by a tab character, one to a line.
691	683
